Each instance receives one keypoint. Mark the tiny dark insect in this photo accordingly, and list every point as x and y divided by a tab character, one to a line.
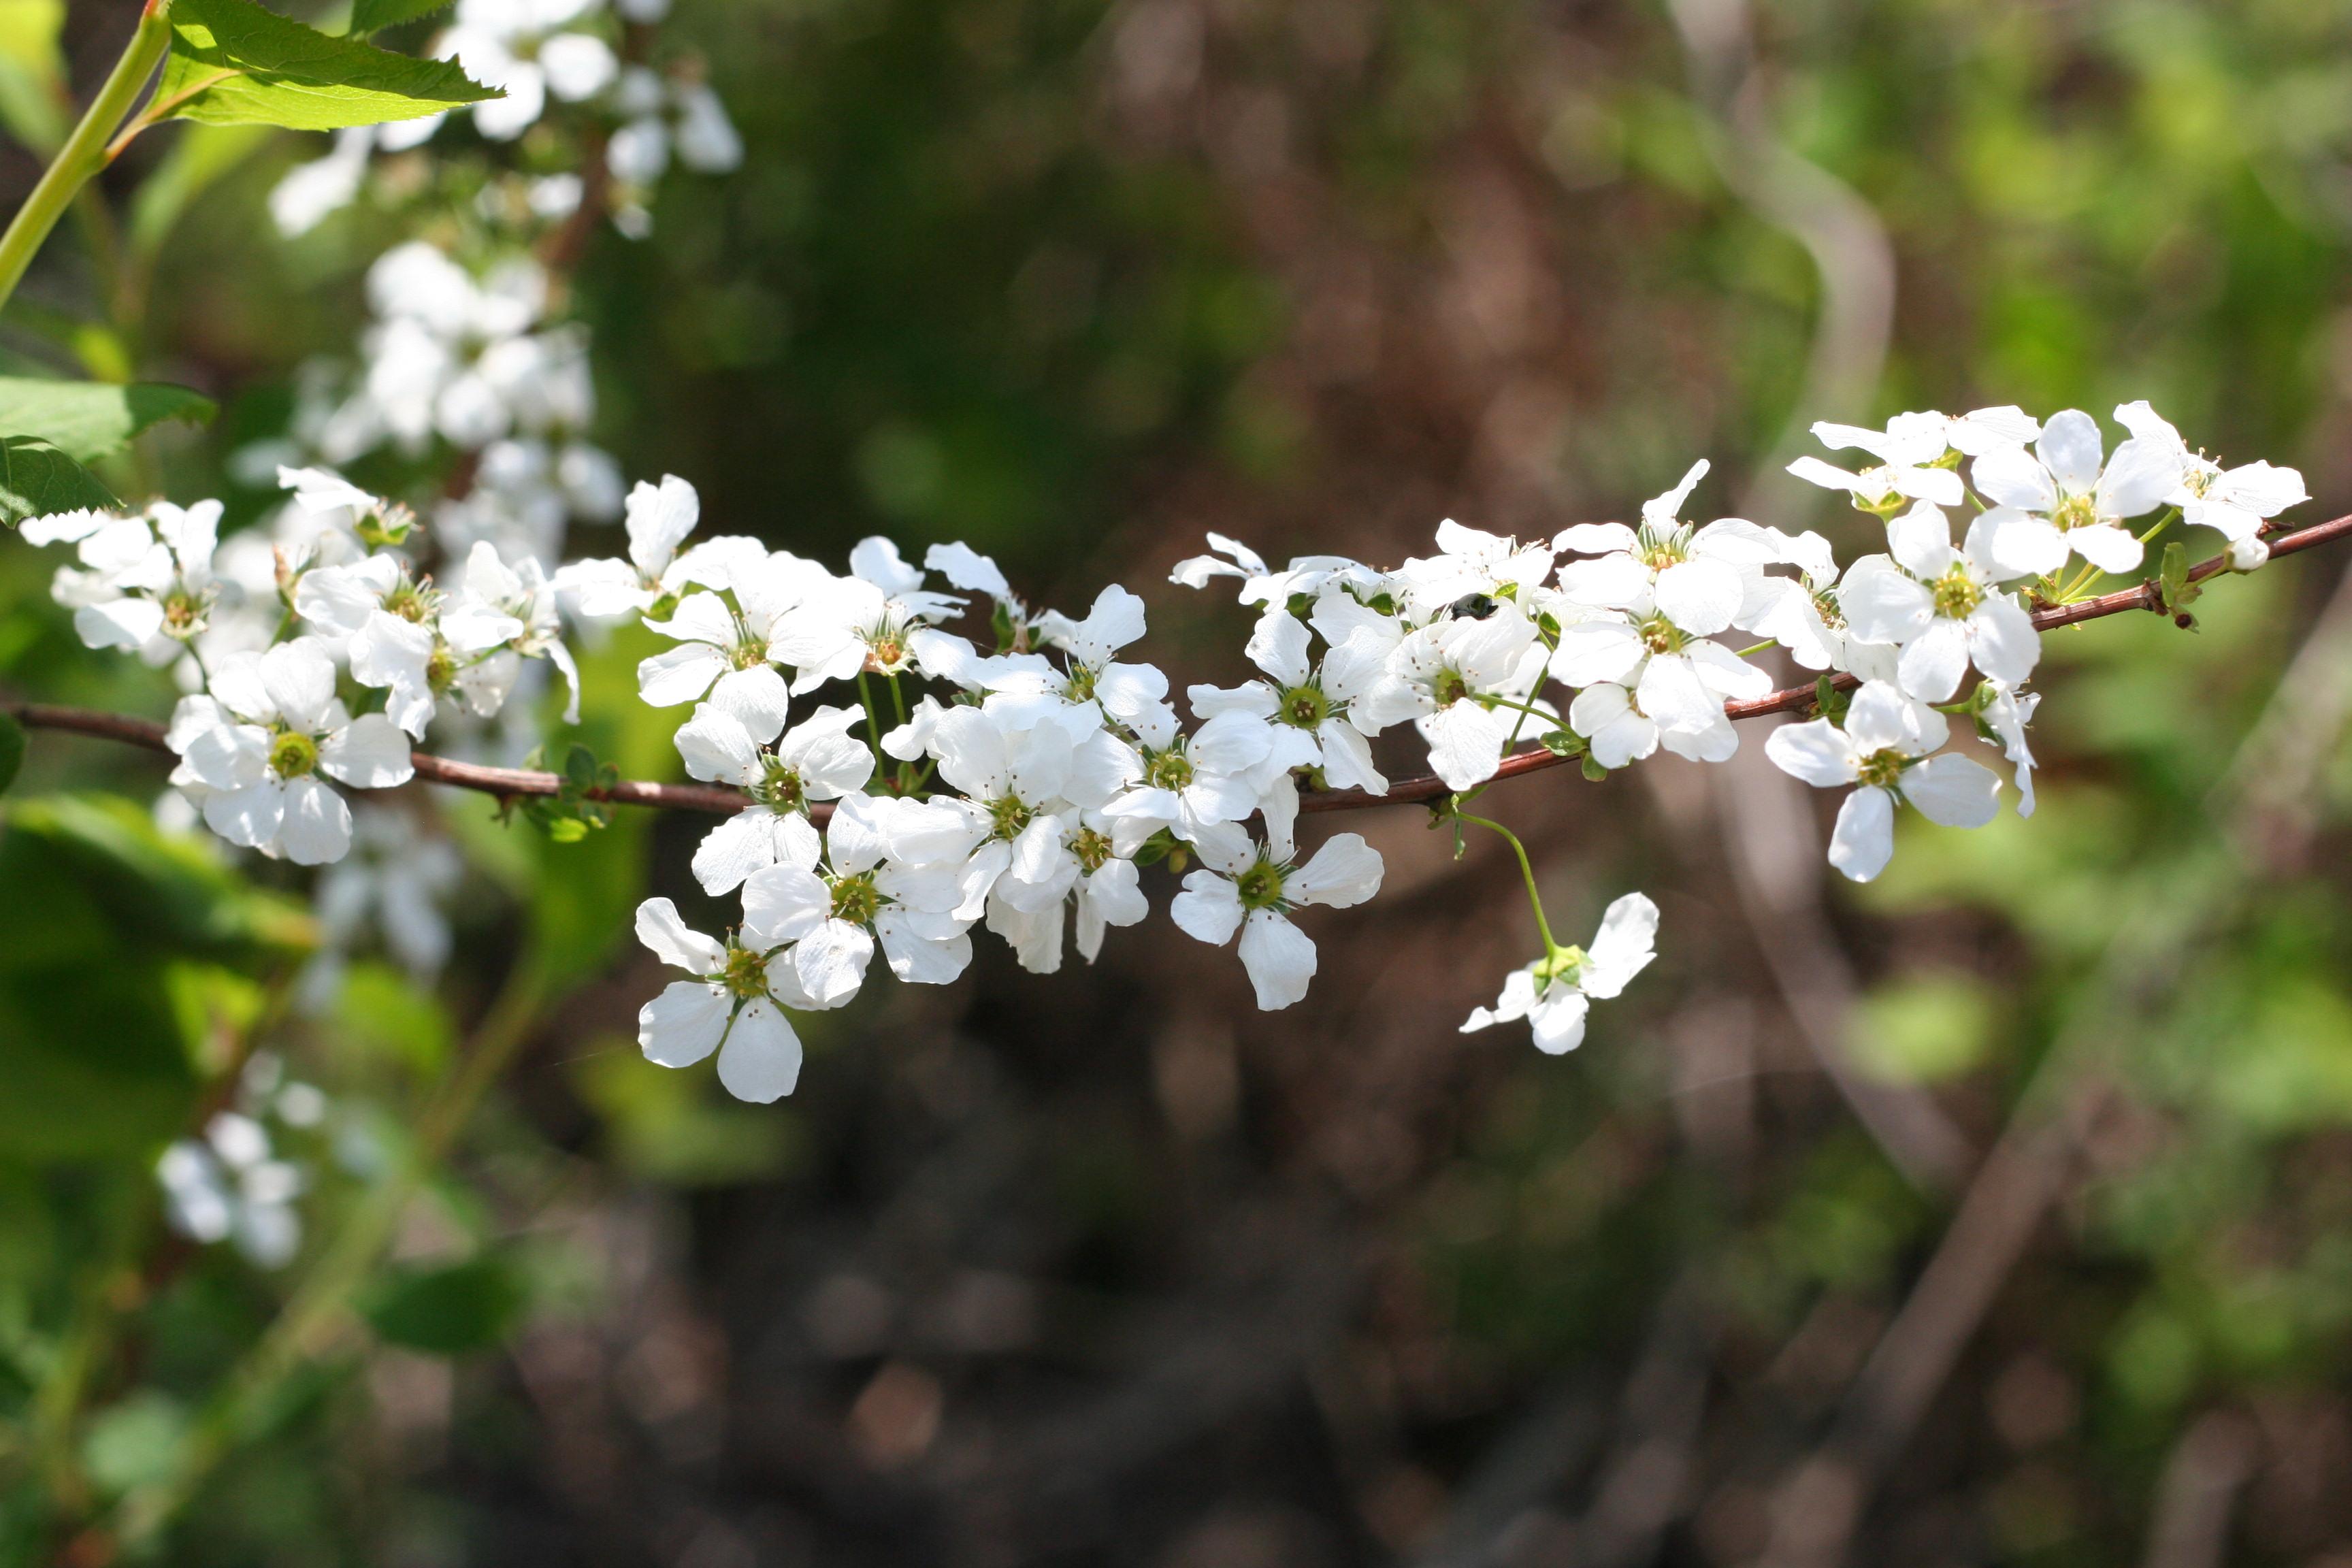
1474	608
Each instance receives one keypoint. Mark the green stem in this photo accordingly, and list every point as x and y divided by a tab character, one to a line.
873	723
2162	522
1527	871
85	151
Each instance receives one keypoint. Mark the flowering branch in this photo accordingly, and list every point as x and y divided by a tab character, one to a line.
515	783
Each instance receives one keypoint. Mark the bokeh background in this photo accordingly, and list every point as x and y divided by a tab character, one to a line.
1999	1212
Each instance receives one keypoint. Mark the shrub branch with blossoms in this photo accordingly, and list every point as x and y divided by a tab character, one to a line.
903	754
900	785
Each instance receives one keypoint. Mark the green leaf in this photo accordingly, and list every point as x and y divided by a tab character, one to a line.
12	750
35	479
1564	743
87	420
447	1311
375	16
234	63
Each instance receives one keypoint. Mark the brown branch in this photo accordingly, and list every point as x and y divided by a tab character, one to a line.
512	784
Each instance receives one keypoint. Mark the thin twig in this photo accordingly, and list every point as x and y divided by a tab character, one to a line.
510	784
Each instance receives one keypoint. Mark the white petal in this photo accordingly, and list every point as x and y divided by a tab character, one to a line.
370	752
1626	943
2070	449
2022	543
1921	540
1956	791
1209	909
1879	717
1814	751
918	954
1881	604
1344	872
757	699
674	942
1279	957
761	1059
250	816
300	681
2002	641
2011	475
1699	595
1558	1020
783	903
683	1024
2138	479
2107	547
1933	662
738	847
1863	840
119	623
317	827
1592	651
716	746
680	673
1278	646
831	961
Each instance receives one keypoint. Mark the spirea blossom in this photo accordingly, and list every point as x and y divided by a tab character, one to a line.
1555	992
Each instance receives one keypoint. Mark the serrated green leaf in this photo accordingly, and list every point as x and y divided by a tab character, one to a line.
87	420
35	479
375	16
12	750
234	63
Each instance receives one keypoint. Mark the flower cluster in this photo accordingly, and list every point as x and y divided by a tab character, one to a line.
905	785
232	1184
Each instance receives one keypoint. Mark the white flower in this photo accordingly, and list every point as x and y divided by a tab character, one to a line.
1940	607
1911	451
679	115
888	875
257	742
1317	700
1645	678
1070	858
660	518
227	1186
1012	781
841	626
2058	500
386	625
2235	502
729	652
397	878
1553	993
1878	753
309	192
1438	675
816	759
145	584
501	616
735	1005
2007	717
1242	887
1026	689
1306	574
1187	783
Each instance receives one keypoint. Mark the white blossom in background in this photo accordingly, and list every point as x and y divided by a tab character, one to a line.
227	1186
257	748
394	881
1242	887
1554	993
1882	753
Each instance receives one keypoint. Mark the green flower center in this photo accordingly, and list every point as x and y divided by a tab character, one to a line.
1825	605
1956	597
1261	886
1008	817
1305	706
441	669
293	755
2075	512
1081	686
750	654
181	614
856	899
885	650
1168	770
1449	686
1566	963
1882	768
409	603
782	788
746	973
1660	635
1093	850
